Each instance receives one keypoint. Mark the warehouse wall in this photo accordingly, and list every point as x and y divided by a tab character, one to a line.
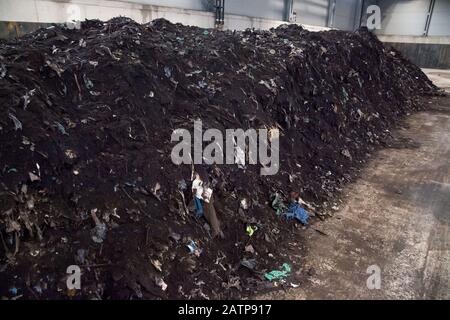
346	14
268	9
314	12
408	17
183	4
403	24
403	17
21	16
239	14
425	55
58	11
440	21
399	17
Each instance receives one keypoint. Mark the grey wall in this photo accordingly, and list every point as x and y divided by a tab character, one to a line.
425	55
399	17
346	14
405	21
269	9
313	12
403	17
408	17
440	21
184	4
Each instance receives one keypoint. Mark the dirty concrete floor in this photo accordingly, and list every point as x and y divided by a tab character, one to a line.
441	78
396	217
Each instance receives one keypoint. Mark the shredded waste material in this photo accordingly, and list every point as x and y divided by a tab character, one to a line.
86	176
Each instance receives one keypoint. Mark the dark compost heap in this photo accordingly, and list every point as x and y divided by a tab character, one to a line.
87	117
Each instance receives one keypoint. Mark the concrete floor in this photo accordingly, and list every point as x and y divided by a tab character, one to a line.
397	217
441	78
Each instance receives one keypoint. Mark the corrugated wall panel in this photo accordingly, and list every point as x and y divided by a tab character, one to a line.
269	9
313	12
403	17
345	14
440	21
184	4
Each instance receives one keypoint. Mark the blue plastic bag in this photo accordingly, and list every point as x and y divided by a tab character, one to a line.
296	211
198	207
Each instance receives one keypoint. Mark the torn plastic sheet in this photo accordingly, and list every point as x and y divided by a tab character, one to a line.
17	123
284	271
2	71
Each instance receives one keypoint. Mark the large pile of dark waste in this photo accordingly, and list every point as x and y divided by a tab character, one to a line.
86	176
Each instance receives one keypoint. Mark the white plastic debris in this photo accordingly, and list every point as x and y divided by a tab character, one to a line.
33	177
82	43
2	71
168	72
207	193
197	185
70	154
61	128
244	204
157	264
17	123
98	233
160	283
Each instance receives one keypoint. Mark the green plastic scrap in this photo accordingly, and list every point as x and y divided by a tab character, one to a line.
251	230
278	274
277	204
